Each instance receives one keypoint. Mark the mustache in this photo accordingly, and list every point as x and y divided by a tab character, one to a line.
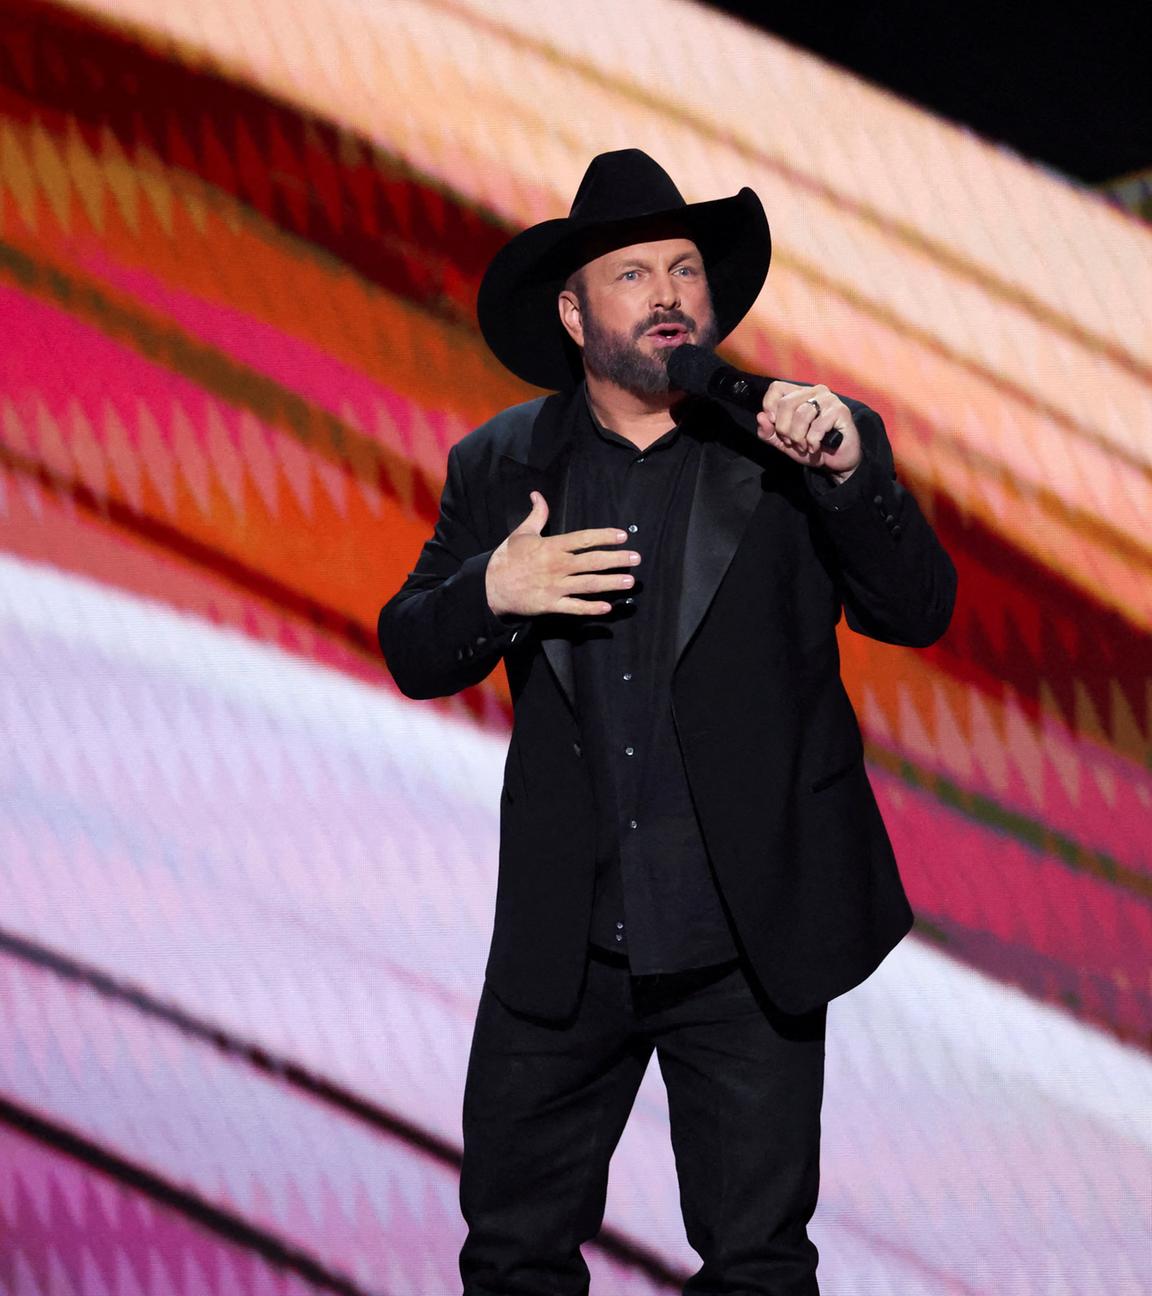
663	317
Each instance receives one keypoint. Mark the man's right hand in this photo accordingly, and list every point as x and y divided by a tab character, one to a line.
530	574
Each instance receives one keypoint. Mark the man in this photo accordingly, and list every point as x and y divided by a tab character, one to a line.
691	858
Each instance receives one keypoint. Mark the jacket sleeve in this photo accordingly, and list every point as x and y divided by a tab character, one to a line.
897	582
438	634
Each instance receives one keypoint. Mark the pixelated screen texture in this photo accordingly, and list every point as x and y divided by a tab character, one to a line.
248	887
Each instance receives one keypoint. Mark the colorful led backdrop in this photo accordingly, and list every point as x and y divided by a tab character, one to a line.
248	888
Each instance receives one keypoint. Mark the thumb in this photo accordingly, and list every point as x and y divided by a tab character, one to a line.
533	524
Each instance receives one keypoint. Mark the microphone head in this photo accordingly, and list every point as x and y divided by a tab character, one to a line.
691	368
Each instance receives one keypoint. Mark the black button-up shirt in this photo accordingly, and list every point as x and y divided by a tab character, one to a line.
656	898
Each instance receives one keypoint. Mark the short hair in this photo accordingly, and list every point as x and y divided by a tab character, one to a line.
575	284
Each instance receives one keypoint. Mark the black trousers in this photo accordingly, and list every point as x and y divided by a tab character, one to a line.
545	1105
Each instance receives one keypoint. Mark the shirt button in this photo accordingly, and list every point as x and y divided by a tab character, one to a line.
627	675
640	459
633	527
629	599
629	751
633	824
619	926
619	937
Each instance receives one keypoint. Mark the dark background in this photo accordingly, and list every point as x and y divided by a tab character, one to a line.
1070	92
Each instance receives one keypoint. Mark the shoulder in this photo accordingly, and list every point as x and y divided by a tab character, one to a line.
508	433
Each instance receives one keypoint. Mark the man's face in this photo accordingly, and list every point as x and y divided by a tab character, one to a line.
630	308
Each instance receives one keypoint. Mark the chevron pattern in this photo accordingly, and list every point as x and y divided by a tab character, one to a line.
248	888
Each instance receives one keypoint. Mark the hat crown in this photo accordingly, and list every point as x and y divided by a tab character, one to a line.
622	185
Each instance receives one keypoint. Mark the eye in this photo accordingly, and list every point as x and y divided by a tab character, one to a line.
630	275
687	271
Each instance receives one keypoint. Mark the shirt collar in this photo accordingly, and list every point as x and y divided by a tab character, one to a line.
687	410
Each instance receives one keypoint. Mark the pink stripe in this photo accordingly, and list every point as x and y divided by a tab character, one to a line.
71	1228
422	434
176	434
1076	787
1092	933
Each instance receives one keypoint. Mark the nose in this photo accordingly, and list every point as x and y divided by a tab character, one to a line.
665	292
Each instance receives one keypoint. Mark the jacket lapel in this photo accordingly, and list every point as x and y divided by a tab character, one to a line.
539	461
728	488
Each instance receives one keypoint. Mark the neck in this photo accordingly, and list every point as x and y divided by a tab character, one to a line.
641	419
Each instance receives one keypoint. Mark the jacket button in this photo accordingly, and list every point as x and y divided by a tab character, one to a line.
481	640
897	531
577	749
878	500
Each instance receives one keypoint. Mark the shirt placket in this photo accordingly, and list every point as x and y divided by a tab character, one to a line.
627	702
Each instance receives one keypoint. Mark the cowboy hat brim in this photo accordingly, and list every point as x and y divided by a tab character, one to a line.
517	302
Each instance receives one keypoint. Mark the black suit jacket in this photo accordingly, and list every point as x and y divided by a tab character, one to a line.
770	742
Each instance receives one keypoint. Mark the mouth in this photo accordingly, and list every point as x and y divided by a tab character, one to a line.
667	335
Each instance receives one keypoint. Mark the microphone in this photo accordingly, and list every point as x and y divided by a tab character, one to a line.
698	372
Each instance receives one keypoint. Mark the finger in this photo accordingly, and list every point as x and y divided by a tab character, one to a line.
818	429
597	584
602	560
775	394
796	453
533	524
833	413
791	420
766	432
591	539
582	607
796	411
805	417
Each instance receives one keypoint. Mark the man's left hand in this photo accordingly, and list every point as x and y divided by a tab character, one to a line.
795	419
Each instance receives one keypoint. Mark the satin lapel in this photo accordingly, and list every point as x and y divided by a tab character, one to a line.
728	488
548	455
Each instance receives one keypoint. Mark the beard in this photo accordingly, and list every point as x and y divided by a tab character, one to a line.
617	357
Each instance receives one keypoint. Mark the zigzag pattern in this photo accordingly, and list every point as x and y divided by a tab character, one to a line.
245	938
238	278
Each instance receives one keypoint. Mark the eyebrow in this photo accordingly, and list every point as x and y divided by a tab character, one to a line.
644	263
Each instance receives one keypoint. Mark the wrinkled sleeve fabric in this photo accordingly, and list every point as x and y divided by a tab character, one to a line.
438	634
897	582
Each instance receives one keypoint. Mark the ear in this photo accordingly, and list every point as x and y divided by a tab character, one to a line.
570	316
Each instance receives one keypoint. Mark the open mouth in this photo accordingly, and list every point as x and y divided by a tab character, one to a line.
668	334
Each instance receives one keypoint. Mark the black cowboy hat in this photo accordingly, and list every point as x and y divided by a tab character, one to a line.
623	197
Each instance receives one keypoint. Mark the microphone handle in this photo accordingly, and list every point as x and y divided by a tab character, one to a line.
747	391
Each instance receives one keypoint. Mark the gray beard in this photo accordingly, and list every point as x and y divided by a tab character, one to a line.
618	359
